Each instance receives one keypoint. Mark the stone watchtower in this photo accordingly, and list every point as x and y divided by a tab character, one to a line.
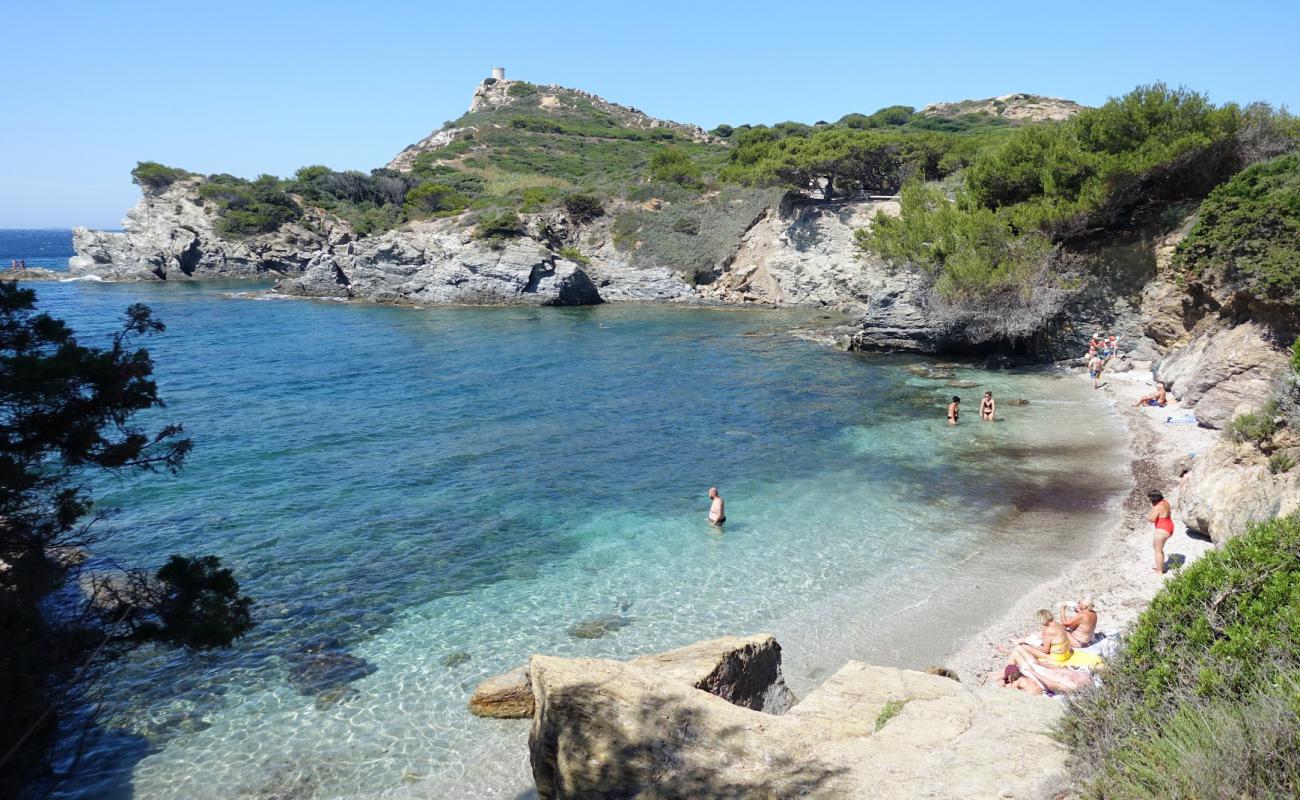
498	73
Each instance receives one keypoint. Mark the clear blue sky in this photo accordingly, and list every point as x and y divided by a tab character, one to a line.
252	87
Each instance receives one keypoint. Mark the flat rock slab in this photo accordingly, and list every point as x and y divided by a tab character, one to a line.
744	670
607	729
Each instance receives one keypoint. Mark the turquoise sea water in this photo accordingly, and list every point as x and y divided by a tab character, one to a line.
438	493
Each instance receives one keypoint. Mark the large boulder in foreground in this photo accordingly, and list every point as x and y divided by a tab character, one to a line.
743	670
1224	370
608	729
1231	487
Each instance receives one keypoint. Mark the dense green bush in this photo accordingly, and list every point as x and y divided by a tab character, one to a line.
247	208
1204	700
432	198
671	165
969	252
1248	230
499	225
1056	180
156	177
575	255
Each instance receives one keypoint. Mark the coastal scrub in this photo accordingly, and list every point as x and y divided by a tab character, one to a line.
1204	700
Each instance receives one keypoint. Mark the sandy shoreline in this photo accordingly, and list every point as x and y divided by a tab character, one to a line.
1117	573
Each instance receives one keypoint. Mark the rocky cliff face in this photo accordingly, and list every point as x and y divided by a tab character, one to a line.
171	235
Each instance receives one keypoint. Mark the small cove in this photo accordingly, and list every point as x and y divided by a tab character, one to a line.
441	492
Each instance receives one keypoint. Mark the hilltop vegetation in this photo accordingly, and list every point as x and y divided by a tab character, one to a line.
541	145
988	198
1041	185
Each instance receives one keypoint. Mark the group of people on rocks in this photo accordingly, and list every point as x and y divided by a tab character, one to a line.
16	264
1057	660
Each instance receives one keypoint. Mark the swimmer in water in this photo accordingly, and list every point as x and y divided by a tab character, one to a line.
954	410
718	509
987	407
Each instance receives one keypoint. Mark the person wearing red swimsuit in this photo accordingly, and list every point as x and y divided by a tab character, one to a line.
1164	522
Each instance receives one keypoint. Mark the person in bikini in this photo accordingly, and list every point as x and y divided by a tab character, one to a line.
1156	400
954	409
1082	627
1057	650
1164	522
987	407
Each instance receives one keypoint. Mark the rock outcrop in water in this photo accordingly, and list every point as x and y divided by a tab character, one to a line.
171	235
744	671
605	729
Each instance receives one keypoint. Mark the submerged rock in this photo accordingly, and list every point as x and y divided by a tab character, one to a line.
598	627
456	659
962	384
323	668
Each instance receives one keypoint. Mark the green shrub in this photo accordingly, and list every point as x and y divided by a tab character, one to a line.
1295	356
432	198
1257	427
1204	699
1248	230
583	207
247	208
671	165
156	177
575	255
1280	462
687	225
499	225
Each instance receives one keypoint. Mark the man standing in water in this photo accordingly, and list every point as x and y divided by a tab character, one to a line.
718	510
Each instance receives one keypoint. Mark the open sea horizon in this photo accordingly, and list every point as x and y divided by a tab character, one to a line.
432	495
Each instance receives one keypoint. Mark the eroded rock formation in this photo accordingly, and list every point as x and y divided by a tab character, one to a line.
608	729
743	670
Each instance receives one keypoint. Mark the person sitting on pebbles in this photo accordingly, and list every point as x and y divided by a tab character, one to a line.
1082	627
1155	400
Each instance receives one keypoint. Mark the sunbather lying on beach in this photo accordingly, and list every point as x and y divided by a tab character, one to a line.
1013	678
1082	627
1050	679
1157	399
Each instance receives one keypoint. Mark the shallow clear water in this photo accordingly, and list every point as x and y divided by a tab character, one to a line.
443	492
